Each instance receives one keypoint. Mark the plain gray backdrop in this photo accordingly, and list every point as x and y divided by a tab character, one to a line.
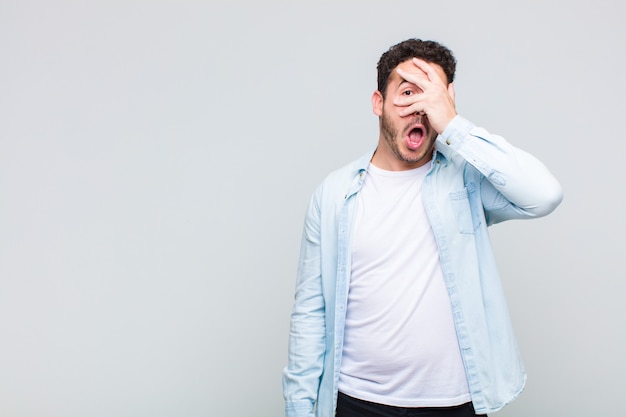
156	159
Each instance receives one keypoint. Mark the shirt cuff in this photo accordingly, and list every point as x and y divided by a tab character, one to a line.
455	133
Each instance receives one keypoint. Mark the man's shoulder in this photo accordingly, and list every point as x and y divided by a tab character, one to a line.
337	184
349	171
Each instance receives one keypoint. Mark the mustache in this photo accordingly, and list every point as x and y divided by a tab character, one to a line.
418	121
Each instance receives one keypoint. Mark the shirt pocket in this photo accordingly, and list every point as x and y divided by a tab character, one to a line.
468	221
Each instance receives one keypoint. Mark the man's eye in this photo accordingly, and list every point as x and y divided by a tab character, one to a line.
407	92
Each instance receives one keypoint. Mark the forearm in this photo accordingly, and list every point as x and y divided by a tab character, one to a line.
518	176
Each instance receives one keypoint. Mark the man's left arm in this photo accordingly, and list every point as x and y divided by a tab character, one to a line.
519	185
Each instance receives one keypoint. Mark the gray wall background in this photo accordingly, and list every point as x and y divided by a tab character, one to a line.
156	158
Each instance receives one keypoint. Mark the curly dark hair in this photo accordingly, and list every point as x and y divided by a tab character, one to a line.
429	51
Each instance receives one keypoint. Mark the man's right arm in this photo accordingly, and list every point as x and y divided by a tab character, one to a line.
301	376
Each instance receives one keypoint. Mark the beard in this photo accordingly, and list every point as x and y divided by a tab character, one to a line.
393	139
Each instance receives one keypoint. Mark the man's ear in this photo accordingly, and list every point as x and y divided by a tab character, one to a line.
377	103
451	91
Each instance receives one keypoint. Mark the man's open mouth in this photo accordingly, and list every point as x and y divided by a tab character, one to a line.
415	137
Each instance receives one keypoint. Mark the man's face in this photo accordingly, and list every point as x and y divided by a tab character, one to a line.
405	142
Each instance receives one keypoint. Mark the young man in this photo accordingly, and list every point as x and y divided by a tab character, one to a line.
399	310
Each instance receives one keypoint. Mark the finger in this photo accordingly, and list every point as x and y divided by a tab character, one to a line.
419	79
416	108
428	69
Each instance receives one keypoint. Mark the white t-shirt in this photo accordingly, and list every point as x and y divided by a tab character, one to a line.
400	345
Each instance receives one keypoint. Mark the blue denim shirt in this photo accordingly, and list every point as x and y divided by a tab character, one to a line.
477	179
